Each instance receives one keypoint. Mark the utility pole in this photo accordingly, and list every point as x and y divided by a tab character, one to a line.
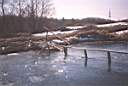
109	15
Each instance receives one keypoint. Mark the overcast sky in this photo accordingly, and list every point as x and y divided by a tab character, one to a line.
91	8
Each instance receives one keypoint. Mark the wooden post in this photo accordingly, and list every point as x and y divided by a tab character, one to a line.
109	60
47	43
86	57
65	52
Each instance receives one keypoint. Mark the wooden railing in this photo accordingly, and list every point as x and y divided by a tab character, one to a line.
93	49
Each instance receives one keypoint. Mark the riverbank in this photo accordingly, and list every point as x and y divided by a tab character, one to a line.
56	40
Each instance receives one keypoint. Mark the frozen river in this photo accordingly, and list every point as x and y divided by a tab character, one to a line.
34	69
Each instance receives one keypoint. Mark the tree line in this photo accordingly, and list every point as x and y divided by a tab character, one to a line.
30	16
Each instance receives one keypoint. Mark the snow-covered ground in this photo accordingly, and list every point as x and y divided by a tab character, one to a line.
52	33
121	32
112	24
73	28
103	25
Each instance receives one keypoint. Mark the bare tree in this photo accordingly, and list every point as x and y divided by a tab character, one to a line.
2	7
19	14
2	3
39	9
46	8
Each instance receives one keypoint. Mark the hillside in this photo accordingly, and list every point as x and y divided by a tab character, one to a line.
84	21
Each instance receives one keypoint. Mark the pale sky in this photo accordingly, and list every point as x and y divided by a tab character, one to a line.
91	8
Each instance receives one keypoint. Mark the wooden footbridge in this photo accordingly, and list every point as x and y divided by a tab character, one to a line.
91	49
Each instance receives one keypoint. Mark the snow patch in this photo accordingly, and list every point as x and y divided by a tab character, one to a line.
52	33
13	54
121	32
75	27
112	24
58	41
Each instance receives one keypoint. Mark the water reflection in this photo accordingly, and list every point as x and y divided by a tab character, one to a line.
5	74
35	79
26	66
60	71
36	62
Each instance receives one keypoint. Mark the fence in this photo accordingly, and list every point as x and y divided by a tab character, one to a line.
91	49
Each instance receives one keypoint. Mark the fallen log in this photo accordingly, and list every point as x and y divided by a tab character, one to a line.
19	41
17	47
